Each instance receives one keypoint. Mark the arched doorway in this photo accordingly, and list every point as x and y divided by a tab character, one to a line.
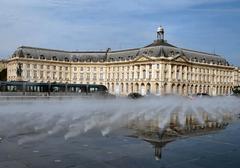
196	89
112	89
131	87
143	91
178	89
220	90
208	90
137	87
117	89
122	88
148	89
108	86
127	91
165	88
200	89
173	90
191	89
204	89
184	90
217	90
157	88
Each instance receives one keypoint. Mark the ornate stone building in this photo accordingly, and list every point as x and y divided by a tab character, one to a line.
158	68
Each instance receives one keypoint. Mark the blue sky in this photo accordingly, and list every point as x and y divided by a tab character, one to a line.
210	26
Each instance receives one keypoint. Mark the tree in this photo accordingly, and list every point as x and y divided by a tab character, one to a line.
236	90
3	75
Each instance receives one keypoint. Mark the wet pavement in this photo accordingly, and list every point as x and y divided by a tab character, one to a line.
219	149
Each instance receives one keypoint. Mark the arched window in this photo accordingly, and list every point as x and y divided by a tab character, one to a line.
42	57
54	58
66	59
28	55
75	60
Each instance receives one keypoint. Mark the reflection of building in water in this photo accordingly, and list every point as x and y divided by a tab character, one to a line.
157	68
150	132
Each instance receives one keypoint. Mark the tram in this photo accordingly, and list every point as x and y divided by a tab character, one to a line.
50	88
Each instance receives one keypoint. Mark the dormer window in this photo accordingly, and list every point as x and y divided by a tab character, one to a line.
66	59
171	53
42	57
54	58
75	60
28	55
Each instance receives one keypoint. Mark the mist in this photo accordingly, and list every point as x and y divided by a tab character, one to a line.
33	120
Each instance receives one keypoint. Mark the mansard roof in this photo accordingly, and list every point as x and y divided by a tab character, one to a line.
159	48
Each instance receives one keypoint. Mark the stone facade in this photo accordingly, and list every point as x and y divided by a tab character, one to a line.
159	68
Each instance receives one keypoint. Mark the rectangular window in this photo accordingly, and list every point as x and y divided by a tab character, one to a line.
150	75
81	76
66	76
34	74
88	76
41	74
101	76
54	75
28	73
60	75
95	76
157	75
75	76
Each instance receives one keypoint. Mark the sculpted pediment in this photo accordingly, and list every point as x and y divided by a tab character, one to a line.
143	58
180	59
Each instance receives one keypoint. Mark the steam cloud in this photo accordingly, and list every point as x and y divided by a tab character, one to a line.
33	120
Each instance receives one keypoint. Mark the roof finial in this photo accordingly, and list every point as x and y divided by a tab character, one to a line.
160	33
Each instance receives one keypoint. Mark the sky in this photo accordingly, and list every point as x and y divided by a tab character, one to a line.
82	25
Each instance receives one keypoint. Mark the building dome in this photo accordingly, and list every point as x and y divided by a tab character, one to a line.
160	29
